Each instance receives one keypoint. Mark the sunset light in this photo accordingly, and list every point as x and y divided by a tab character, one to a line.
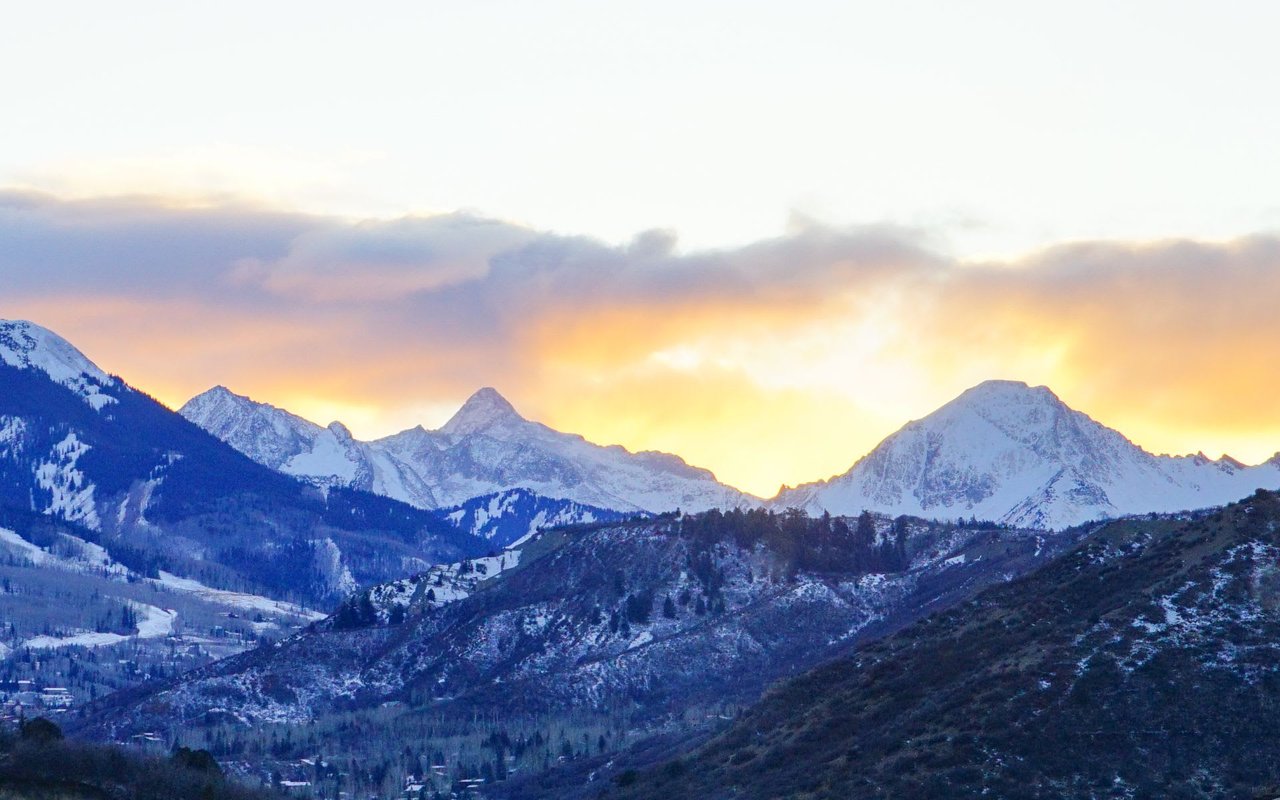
662	400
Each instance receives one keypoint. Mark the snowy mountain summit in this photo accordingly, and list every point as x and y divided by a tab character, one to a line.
486	447
1013	453
26	345
484	411
264	433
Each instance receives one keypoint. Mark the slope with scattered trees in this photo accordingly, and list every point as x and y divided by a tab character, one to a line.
1143	664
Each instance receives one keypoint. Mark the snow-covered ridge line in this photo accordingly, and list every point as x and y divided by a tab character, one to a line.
440	585
508	517
486	447
26	345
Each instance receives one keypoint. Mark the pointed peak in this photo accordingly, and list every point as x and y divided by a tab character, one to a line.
218	392
487	395
483	410
217	397
340	431
1233	463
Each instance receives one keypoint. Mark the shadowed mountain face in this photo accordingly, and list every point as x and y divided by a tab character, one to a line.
1015	454
486	447
1141	664
158	493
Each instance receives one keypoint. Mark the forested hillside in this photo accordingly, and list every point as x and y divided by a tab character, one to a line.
1142	664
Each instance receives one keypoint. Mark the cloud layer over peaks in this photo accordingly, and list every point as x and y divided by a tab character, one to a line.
807	347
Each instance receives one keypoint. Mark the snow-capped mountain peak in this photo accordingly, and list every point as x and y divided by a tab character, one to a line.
483	411
269	435
1010	452
217	398
26	345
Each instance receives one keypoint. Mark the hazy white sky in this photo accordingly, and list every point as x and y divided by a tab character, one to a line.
997	126
868	207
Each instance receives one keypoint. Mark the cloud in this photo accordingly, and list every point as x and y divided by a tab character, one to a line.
383	260
817	342
134	244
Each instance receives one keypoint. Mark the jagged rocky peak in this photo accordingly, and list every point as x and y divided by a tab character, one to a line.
221	392
220	407
340	432
486	447
997	387
217	397
484	410
268	435
1229	464
27	345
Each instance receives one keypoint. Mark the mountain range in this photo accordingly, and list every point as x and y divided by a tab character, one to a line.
485	447
1001	451
159	493
80	444
135	545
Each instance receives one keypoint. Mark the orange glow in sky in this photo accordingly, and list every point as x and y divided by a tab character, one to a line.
780	362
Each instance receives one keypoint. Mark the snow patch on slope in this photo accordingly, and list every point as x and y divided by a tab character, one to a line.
505	518
153	623
329	561
241	600
13	431
86	558
71	495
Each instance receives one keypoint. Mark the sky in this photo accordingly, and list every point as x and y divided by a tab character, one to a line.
759	235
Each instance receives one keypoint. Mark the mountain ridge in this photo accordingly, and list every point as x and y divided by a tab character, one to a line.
1139	664
485	447
89	449
26	345
623	625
